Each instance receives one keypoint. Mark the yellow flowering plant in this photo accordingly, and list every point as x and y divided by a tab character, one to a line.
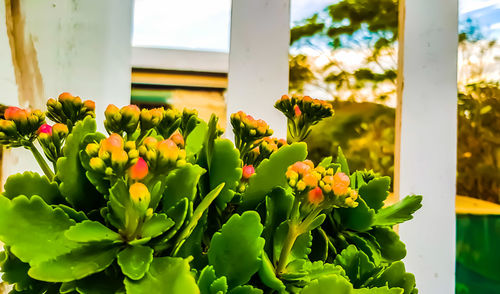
163	203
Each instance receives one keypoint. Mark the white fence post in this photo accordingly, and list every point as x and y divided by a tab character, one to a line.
427	136
81	47
258	60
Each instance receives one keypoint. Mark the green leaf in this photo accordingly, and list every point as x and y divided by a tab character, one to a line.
156	225
78	216
245	290
325	162
219	286
395	275
29	184
178	214
359	218
398	212
300	249
239	240
198	213
195	140
366	243
75	265
75	186
166	275
181	183
278	207
303	272
15	272
356	264
327	285
99	283
225	167
118	204
33	229
267	274
375	192
207	277
135	261
382	290
91	231
344	167
271	173
317	221
391	247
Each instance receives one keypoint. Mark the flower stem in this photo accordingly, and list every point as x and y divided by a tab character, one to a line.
45	168
287	246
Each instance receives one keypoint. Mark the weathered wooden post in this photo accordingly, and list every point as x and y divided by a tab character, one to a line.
427	136
258	59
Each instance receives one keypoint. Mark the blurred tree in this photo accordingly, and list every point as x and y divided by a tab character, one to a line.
478	165
367	26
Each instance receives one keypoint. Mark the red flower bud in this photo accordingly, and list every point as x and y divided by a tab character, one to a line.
297	111
45	129
315	196
248	171
139	170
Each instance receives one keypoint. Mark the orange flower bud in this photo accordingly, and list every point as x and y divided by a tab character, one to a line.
60	130
139	170
89	104
113	142
168	150
15	113
341	183
178	139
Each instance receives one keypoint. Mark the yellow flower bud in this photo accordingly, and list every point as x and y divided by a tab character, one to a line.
140	196
97	164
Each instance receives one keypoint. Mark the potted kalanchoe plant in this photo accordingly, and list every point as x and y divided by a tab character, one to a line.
164	204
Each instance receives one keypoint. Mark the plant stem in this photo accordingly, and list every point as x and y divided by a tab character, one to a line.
45	168
292	235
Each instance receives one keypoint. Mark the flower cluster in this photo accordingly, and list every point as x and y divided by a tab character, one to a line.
20	126
302	113
321	186
51	139
162	156
124	119
247	131
69	109
189	121
112	156
265	148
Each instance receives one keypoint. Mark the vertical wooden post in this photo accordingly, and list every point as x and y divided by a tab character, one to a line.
81	47
258	60
426	138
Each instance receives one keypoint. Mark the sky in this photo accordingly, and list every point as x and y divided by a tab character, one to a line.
204	25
